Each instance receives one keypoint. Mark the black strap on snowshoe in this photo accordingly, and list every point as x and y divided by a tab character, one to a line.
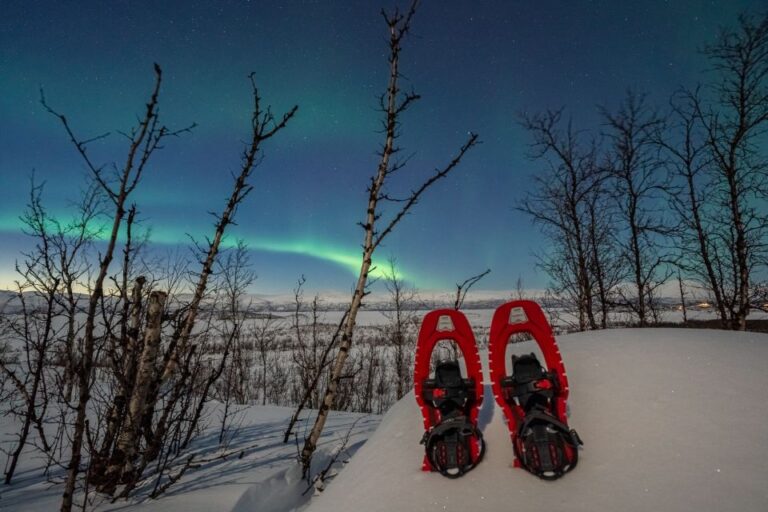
545	446
529	384
448	446
448	392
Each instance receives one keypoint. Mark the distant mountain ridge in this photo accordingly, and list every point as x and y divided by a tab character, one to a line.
336	301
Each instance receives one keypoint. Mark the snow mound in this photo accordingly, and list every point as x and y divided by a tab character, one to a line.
672	420
284	491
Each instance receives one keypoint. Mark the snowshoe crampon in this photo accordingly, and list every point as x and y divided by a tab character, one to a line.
533	398
449	402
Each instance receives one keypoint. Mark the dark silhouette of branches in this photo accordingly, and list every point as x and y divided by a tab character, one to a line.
567	203
463	288
637	186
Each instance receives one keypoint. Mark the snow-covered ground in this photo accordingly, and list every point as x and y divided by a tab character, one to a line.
265	478
672	420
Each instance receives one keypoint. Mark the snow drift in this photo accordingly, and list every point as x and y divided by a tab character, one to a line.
672	420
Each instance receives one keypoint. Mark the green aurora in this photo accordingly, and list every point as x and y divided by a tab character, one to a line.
347	259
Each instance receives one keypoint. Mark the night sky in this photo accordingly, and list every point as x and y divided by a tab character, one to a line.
476	65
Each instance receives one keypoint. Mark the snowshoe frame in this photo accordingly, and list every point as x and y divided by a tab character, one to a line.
523	316
438	325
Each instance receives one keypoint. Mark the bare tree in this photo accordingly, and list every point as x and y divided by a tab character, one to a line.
734	127
393	105
125	364
401	318
236	277
181	358
263	335
37	295
263	127
560	204
46	327
638	187
688	164
365	388
605	259
311	350
143	140
463	288
169	421
127	442
322	363
155	387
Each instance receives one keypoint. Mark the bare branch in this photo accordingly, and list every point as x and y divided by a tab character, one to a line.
416	194
463	288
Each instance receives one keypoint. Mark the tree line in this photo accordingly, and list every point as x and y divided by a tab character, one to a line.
657	193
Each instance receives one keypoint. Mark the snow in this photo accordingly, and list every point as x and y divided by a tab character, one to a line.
265	479
672	420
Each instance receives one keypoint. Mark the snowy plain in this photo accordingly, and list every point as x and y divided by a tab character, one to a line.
672	420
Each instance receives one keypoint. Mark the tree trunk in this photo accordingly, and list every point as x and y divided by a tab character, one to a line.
126	384
341	357
682	298
127	443
392	107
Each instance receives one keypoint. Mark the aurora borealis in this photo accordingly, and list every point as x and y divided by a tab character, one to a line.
476	65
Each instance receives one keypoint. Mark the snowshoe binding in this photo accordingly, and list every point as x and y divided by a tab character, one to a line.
449	402
533	398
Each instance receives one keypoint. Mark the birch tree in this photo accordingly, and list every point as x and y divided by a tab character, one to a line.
143	141
157	382
376	229
178	368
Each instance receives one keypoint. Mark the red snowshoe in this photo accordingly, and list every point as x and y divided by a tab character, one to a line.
533	398
449	402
